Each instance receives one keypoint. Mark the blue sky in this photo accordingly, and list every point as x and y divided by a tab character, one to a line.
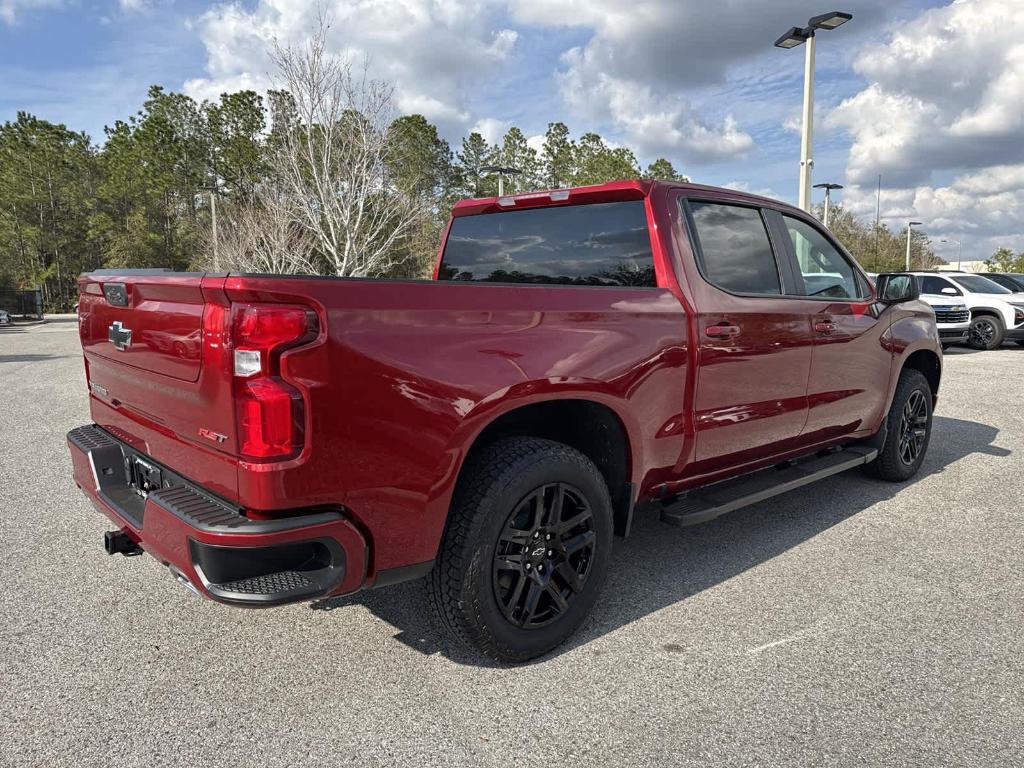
697	82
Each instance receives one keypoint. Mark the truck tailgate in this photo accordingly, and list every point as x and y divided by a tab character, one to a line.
153	323
158	368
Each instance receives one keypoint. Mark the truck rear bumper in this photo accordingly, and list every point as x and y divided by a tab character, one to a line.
207	543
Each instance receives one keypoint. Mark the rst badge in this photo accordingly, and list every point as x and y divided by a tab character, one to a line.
119	336
209	434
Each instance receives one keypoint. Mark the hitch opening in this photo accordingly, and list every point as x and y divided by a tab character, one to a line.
115	542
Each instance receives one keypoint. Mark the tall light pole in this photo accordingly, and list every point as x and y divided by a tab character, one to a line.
828	188
910	224
502	172
959	250
794	37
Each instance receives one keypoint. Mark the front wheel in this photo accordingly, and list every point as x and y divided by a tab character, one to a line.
909	429
986	332
526	549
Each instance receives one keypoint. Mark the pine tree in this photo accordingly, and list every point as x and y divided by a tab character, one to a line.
557	157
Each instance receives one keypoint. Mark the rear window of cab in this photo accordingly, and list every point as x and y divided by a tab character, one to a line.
598	244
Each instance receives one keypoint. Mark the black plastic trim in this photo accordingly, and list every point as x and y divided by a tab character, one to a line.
389	576
711	501
269	575
184	499
624	518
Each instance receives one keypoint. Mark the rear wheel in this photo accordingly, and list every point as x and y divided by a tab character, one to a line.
986	332
526	549
909	428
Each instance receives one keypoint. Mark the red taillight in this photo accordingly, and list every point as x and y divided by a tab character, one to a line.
270	416
270	412
269	326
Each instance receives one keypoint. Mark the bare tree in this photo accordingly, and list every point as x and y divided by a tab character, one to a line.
262	235
329	158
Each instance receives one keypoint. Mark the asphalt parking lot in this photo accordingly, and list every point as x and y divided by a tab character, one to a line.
850	623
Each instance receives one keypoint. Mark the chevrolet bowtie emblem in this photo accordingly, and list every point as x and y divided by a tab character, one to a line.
119	336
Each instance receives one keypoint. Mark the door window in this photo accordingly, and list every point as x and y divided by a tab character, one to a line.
934	285
734	251
826	272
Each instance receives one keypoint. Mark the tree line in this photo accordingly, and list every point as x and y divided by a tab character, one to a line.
319	175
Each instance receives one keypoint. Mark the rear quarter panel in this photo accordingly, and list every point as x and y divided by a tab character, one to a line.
411	372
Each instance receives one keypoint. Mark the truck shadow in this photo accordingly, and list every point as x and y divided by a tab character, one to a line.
659	565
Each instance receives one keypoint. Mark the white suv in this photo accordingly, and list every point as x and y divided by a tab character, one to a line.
996	313
952	318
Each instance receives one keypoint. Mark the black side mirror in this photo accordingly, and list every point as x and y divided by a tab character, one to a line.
897	287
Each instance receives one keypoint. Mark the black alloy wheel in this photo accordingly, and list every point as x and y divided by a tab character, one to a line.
913	427
985	333
543	555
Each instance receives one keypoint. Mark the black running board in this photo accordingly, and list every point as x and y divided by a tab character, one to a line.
709	502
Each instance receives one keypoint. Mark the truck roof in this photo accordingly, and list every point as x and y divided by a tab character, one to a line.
629	189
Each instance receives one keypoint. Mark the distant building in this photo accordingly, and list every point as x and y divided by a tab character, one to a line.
965	266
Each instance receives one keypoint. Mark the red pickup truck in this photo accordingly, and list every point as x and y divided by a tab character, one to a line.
582	356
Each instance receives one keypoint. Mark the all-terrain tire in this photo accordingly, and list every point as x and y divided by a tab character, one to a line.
464	587
909	418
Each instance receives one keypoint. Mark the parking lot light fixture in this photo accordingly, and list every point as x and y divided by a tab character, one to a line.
502	172
830	20
910	225
794	37
828	188
791	39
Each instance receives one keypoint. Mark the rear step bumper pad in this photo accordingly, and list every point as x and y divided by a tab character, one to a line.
220	552
710	501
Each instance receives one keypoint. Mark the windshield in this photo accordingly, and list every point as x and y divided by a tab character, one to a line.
976	284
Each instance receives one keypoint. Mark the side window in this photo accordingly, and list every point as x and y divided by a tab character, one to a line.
934	285
825	271
734	249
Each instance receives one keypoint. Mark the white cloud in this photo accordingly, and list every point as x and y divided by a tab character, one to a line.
492	129
11	10
744	186
646	58
133	6
941	120
429	49
655	123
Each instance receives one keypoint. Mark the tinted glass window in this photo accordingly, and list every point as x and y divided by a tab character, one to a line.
825	271
934	285
977	284
735	251
1007	282
600	244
